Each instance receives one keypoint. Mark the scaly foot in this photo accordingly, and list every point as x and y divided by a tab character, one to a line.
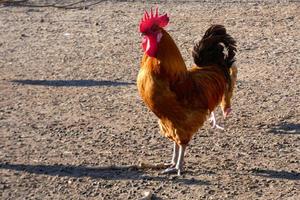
213	122
170	170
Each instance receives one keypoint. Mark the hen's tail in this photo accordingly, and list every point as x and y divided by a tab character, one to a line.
210	49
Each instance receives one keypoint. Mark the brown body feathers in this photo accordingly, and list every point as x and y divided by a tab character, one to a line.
183	98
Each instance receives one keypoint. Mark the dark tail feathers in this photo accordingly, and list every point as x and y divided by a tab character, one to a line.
210	49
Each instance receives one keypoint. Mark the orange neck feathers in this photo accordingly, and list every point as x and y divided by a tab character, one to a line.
168	60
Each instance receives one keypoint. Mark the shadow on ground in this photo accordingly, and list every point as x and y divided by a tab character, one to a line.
72	83
277	174
286	128
107	173
86	4
82	4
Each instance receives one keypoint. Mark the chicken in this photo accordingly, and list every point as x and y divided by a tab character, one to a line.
183	98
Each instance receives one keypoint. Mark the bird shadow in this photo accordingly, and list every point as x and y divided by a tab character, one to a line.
285	128
292	175
82	4
73	83
106	173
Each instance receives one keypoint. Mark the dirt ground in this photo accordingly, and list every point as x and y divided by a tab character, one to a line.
72	125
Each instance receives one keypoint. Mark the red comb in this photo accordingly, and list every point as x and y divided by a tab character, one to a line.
153	19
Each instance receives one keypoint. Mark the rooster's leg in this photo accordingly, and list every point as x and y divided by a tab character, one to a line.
171	167
179	165
213	121
175	155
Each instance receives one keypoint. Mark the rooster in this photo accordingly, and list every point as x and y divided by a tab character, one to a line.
184	98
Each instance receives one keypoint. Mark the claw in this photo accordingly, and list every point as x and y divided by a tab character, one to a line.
169	165
170	170
218	127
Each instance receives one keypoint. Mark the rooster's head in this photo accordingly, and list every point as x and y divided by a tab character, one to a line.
150	28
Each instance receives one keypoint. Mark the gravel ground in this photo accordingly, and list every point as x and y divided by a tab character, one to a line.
73	126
